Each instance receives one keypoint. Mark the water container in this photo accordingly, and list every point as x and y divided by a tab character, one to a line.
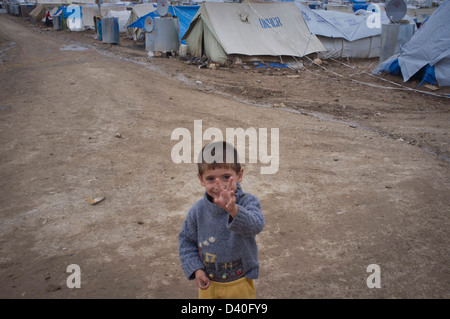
167	34
110	30
57	22
150	38
393	37
14	9
25	9
183	50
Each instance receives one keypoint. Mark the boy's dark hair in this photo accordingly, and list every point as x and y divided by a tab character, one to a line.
208	160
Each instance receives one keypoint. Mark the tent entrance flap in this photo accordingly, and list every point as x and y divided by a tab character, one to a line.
195	42
213	49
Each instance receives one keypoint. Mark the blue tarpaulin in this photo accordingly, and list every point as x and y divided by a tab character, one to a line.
271	64
67	12
426	74
429	75
359	4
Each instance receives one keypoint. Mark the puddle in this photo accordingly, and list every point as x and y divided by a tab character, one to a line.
10	46
73	47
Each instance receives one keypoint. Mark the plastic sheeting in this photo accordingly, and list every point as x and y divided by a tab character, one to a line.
346	34
340	48
430	45
425	74
349	26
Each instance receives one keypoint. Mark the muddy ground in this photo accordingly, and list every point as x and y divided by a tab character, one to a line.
363	172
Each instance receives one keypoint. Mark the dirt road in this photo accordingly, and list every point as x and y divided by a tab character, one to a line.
345	196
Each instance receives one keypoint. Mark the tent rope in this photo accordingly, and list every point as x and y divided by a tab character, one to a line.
391	82
400	87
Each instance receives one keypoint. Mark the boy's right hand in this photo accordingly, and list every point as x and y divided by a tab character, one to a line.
201	279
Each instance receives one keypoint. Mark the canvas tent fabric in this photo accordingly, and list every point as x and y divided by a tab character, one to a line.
88	12
430	45
249	29
122	16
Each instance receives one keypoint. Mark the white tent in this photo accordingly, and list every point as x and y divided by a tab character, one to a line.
88	12
430	45
122	16
345	34
249	29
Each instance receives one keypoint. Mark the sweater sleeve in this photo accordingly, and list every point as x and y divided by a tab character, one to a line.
188	249
249	220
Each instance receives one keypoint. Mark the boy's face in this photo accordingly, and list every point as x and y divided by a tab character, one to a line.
209	176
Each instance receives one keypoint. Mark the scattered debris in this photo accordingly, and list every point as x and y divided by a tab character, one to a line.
52	288
317	61
281	105
431	87
237	61
192	60
95	200
212	66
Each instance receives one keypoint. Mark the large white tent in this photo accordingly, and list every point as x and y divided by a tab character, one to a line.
346	34
122	16
249	30
430	45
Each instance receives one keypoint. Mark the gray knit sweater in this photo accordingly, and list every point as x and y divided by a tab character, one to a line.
222	246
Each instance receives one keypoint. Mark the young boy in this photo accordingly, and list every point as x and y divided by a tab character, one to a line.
217	243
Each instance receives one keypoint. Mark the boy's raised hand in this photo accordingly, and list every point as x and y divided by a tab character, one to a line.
226	198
